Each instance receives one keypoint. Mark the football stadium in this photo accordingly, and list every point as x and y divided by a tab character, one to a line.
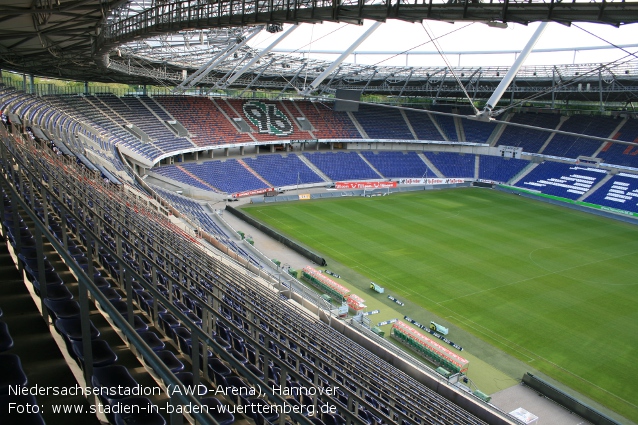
210	217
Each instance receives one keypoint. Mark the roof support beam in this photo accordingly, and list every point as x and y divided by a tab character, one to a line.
257	77
469	82
509	77
201	69
369	80
291	82
553	86
313	86
429	76
477	84
17	11
600	91
406	82
330	81
219	83
254	60
208	67
469	79
441	85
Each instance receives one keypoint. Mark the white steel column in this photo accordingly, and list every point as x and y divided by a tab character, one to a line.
507	79
254	60
218	85
201	69
313	86
291	82
206	69
263	68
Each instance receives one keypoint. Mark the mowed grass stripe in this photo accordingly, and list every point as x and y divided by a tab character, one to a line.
543	283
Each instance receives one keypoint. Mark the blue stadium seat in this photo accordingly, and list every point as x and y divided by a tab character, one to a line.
498	169
29	252
170	360
152	340
189	352
180	306
138	323
530	140
57	293
186	379
283	171
238	356
342	165
75	252
315	420
6	342
101	351
383	123
101	282
216	366
115	377
181	335
398	164
255	370
11	373
167	322
72	328
565	180
453	164
51	278
111	294
619	192
332	419
31	264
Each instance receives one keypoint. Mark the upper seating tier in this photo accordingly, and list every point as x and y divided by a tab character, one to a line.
327	123
423	126
383	123
203	119
620	154
573	147
530	140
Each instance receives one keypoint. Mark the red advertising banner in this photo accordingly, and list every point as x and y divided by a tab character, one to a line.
253	192
365	185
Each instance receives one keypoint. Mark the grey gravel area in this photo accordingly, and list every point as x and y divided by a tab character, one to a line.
548	412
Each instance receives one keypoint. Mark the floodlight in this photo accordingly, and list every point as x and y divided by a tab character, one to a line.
496	24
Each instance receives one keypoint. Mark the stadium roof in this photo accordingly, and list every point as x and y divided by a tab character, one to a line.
156	41
53	38
164	57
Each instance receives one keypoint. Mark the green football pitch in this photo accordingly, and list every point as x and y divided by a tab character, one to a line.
553	287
